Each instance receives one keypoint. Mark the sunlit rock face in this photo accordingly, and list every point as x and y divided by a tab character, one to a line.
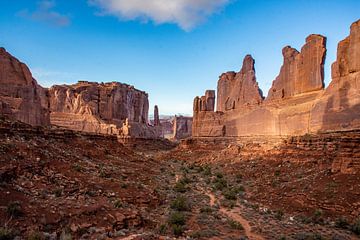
297	102
21	98
301	72
238	89
109	108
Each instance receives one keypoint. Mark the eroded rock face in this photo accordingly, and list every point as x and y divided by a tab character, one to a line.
21	98
297	103
206	102
182	127
110	108
238	89
301	72
339	107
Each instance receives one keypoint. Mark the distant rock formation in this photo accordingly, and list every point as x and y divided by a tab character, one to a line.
21	98
297	102
156	116
107	108
182	127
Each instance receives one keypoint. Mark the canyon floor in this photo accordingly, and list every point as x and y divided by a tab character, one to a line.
58	184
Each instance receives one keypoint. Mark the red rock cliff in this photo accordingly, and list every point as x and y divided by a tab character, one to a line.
301	72
21	98
297	102
238	89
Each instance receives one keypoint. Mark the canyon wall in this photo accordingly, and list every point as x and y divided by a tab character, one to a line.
106	108
297	102
21	98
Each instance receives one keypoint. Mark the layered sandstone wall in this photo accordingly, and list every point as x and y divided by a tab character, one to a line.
21	98
297	102
107	108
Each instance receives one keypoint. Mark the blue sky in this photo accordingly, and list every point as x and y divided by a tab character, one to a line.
172	49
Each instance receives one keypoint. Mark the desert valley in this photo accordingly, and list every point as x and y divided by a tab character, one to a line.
85	161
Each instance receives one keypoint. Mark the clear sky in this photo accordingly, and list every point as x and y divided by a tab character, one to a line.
172	49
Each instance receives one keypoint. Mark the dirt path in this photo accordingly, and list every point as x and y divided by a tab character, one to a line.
236	217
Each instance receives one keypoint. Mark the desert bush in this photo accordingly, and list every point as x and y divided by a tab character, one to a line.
36	236
230	194
177	218
14	209
279	214
235	225
342	223
180	187
206	210
57	192
178	230
77	167
118	203
207	233
308	236
317	216
355	227
207	171
162	229
219	183
6	234
185	180
180	204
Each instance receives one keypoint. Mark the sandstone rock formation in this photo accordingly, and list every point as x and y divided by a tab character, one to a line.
21	98
156	116
182	127
301	72
107	108
339	106
297	102
238	89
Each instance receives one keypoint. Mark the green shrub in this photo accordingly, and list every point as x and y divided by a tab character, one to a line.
6	234
230	194
185	180
118	204
180	187
180	204
162	229
177	218
77	167
204	234
36	236
235	225
342	223
317	216
57	192
355	227
279	214
177	230
14	209
206	210
219	175
207	171
220	183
